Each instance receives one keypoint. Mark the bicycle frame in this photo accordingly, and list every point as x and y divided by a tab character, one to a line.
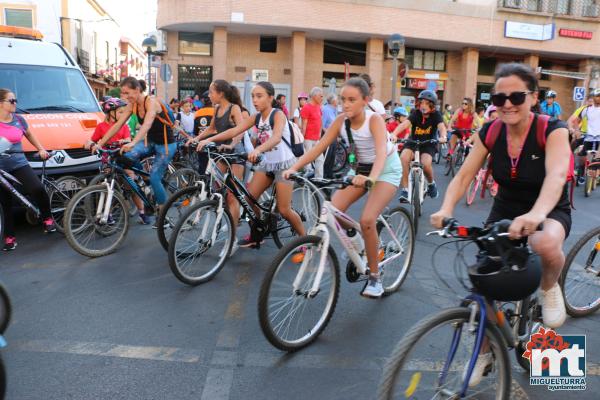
330	220
416	166
5	184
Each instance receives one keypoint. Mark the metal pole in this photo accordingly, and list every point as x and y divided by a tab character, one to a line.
166	92
394	80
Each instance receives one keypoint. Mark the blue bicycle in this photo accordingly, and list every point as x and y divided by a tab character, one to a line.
436	359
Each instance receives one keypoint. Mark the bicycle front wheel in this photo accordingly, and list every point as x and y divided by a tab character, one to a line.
307	205
172	210
200	243
430	361
85	229
580	279
291	317
472	191
398	242
416	199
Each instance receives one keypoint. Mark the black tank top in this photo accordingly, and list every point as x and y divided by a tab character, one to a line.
156	131
523	191
223	122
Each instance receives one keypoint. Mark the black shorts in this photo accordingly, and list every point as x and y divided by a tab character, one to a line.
560	214
587	146
461	133
429	148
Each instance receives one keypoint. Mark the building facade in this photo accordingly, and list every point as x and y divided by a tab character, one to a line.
454	46
87	31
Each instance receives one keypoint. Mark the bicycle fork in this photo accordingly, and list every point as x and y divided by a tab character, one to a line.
105	202
315	287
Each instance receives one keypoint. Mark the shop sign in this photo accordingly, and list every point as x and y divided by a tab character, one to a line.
414	83
522	30
260	75
572	33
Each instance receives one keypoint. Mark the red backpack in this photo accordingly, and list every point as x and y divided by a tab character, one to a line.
540	133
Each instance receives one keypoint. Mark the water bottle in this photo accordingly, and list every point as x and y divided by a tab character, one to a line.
357	240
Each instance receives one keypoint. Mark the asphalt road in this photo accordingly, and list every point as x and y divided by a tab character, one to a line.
122	326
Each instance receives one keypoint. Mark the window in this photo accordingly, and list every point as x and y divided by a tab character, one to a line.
268	44
193	79
14	17
487	66
195	44
559	6
335	52
426	59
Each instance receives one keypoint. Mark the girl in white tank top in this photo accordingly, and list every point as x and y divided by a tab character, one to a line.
378	163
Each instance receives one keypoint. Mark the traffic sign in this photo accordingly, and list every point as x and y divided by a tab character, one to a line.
403	70
165	72
578	93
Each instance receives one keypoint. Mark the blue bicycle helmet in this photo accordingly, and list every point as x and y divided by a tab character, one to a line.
398	111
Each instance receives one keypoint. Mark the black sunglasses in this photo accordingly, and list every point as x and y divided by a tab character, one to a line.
516	98
11	101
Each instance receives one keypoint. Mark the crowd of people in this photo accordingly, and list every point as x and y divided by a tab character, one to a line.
531	190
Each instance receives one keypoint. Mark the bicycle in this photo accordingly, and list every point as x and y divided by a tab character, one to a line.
590	170
441	334
300	289
460	152
60	191
202	239
416	179
5	316
580	278
484	181
97	217
441	152
341	165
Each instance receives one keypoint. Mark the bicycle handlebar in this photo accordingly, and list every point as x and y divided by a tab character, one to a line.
452	229
419	142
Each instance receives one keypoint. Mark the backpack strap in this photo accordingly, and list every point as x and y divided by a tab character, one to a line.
272	125
352	159
540	130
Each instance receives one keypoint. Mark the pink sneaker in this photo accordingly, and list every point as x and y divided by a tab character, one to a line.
49	225
10	242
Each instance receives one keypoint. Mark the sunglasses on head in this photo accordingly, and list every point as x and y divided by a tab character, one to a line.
11	101
516	98
465	103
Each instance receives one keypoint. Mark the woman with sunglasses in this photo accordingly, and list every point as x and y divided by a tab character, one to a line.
531	182
12	128
463	120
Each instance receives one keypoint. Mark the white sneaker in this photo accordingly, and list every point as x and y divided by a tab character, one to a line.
373	288
554	313
482	363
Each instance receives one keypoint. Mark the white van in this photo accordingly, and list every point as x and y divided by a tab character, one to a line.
53	96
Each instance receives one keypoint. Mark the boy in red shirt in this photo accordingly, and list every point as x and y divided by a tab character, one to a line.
400	115
113	109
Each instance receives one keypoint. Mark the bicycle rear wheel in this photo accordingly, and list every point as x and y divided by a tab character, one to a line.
194	257
341	158
182	178
395	272
449	165
292	319
173	209
418	367
580	279
63	189
84	229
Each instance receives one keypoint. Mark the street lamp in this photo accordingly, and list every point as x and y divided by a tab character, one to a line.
395	43
150	44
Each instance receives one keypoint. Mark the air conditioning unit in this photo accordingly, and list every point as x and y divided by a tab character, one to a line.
512	3
161	40
591	10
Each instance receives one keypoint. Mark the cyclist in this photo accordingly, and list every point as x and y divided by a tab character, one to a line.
463	120
426	123
531	182
228	114
155	136
377	162
588	119
550	106
13	127
274	156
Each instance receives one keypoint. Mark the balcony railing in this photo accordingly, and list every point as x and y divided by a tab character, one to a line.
574	8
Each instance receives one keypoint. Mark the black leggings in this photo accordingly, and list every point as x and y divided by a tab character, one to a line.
32	186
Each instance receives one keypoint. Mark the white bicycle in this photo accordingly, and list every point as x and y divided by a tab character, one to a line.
417	188
300	289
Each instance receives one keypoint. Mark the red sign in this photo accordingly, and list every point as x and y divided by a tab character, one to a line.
416	83
572	33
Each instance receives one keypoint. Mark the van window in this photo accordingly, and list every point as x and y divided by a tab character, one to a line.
41	89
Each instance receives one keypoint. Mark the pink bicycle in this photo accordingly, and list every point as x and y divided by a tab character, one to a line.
484	181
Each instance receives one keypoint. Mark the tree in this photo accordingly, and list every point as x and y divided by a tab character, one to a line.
114	92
